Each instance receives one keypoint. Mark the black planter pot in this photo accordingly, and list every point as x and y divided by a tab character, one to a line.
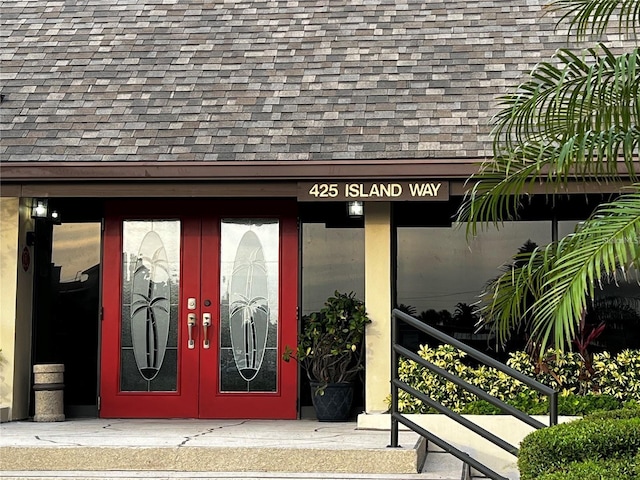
335	404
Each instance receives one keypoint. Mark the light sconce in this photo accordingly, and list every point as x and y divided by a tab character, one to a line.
355	209
55	217
39	208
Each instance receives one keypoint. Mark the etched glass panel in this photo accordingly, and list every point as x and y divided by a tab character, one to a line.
249	305
149	334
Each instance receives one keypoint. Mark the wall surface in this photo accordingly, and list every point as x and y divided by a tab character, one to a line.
16	287
377	248
8	285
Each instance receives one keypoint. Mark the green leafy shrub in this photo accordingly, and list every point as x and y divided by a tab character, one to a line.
578	405
480	407
571	405
551	449
528	402
630	410
624	469
444	391
563	369
617	380
618	375
439	389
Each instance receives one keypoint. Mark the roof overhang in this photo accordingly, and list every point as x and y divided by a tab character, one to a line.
243	171
233	179
203	179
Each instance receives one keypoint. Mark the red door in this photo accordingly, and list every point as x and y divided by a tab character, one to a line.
197	311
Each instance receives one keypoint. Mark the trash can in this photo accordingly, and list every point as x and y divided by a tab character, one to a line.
48	386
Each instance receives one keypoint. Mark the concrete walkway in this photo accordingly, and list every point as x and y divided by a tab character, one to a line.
196	449
111	475
114	475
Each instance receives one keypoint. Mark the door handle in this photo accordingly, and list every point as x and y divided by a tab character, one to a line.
206	323
191	322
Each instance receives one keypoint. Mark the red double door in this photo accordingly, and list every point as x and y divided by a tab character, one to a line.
198	309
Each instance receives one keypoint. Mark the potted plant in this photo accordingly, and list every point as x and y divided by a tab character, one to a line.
331	352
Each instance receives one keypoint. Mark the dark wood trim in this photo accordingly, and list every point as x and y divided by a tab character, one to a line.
11	190
231	179
458	188
132	189
233	189
265	171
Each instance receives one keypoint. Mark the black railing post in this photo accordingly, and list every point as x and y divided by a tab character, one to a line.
394	376
553	408
398	351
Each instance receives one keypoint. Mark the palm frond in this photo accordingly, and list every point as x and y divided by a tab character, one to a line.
605	245
576	121
495	196
506	301
583	110
563	276
575	118
593	16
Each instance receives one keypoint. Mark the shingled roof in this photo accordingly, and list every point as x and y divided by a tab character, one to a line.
234	80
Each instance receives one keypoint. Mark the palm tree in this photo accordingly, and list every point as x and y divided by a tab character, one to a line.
577	118
150	315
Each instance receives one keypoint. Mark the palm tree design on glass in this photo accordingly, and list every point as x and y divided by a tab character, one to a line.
150	316
249	306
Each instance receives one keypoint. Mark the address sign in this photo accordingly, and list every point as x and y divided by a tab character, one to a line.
417	190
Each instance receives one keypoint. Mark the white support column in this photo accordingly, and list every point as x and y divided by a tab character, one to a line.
377	248
16	290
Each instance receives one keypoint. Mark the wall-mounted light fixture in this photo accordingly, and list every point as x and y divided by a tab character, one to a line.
55	217
355	209
39	208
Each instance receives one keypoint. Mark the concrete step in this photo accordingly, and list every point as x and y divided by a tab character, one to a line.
297	447
212	459
440	462
443	466
158	475
94	449
437	466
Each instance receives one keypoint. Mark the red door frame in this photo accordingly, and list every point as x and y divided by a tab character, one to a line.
198	394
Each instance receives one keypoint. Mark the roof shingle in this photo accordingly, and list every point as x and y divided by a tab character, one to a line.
233	80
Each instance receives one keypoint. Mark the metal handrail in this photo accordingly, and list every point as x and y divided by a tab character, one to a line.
396	384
